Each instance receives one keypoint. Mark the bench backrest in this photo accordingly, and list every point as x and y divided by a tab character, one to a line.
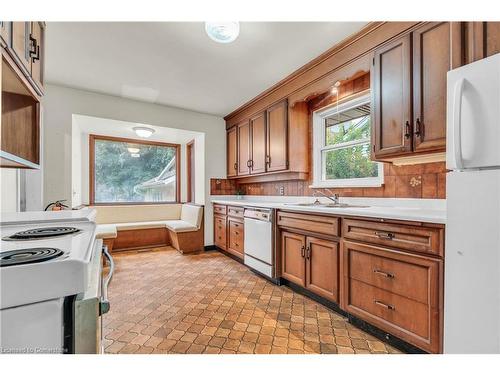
192	214
137	213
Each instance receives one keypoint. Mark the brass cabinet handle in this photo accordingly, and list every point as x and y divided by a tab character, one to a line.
418	128
388	307
385	235
407	130
268	160
302	251
385	274
308	252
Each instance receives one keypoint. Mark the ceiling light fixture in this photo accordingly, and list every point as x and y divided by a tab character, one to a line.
143	131
222	32
135	155
133	150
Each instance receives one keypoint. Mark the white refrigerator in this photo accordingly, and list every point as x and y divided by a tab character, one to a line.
472	252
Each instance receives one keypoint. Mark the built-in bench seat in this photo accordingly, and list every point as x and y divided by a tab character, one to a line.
128	227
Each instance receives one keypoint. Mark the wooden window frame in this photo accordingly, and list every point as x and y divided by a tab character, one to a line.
94	137
190	170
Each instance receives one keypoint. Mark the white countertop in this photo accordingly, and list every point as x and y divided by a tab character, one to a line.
424	210
31	217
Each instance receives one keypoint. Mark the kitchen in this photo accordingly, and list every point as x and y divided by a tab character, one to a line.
345	203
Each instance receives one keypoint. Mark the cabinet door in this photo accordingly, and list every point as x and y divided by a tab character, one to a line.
232	152
277	137
293	248
21	43
243	136
220	231
5	33
391	99
483	40
322	268
431	61
37	37
258	143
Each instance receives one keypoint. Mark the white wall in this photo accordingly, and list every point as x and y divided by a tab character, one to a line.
9	191
60	103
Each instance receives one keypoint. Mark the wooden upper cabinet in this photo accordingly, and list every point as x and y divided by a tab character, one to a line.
293	250
483	40
322	268
277	140
243	140
37	50
431	61
21	43
232	152
391	98
258	143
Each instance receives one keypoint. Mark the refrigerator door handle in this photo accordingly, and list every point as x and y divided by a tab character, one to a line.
457	123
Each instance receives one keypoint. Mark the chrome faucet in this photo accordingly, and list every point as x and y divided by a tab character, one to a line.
333	197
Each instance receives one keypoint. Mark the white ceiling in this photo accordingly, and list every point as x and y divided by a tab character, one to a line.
176	64
124	129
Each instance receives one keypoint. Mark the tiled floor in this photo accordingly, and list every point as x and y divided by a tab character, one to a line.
165	302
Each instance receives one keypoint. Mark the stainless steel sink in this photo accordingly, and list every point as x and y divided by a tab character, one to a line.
329	205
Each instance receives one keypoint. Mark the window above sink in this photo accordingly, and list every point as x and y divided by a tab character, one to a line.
341	145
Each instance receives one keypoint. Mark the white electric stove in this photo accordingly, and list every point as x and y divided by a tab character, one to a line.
51	286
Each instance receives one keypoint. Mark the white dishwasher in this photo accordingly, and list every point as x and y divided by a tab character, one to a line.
259	240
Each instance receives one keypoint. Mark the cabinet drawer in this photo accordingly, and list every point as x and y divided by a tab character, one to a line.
219	209
235	240
220	232
412	321
407	237
235	211
311	223
411	276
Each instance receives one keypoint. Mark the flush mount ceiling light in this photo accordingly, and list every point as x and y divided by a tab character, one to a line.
143	132
222	32
133	150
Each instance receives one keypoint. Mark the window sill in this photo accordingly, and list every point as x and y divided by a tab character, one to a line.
346	184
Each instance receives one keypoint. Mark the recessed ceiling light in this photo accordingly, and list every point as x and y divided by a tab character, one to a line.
222	32
133	150
135	155
143	132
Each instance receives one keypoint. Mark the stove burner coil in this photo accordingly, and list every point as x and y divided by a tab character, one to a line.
39	233
27	256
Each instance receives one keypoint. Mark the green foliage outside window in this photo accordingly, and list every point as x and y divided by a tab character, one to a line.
349	161
118	173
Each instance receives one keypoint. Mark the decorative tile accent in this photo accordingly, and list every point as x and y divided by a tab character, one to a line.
164	302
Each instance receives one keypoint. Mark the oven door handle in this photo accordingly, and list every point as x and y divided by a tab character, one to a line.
104	304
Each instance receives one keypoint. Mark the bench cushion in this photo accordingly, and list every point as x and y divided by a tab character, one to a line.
141	225
180	226
105	231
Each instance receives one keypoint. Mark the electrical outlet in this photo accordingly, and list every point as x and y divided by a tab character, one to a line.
282	190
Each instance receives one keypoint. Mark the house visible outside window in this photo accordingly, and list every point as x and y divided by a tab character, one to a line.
342	146
132	171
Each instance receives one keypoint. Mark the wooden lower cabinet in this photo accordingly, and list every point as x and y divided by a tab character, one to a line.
220	231
322	268
395	291
235	237
293	250
312	263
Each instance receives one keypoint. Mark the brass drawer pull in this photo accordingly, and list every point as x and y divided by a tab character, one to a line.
385	274
236	232
236	244
385	235
388	307
302	251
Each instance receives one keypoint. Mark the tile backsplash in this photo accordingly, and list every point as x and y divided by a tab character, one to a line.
409	181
